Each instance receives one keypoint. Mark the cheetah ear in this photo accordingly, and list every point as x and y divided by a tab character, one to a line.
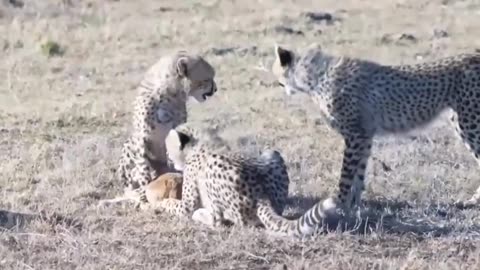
183	139
176	140
285	56
182	67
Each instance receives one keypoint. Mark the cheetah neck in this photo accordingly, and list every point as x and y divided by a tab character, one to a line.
195	155
311	71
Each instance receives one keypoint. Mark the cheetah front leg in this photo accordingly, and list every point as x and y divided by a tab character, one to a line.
364	152
141	176
352	178
204	216
135	173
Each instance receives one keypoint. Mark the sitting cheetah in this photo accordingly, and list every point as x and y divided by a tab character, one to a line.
159	107
361	99
226	185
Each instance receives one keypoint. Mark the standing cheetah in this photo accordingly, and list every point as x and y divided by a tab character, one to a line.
159	107
225	184
360	99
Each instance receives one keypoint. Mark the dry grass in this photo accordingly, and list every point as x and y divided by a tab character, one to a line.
63	118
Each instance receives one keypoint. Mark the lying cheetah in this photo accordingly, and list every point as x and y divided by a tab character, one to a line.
361	99
225	184
159	107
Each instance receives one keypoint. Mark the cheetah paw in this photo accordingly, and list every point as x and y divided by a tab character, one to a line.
468	204
203	216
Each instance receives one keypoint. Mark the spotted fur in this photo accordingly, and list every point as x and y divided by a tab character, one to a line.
159	107
360	99
227	185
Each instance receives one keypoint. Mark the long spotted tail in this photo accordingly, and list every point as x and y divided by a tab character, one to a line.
305	225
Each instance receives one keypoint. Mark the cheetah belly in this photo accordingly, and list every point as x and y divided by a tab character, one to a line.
407	111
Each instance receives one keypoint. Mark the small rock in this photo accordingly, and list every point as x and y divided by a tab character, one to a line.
403	38
56	69
320	17
241	51
16	3
164	9
287	30
34	180
5	45
246	50
319	122
446	2
419	56
18	44
438	33
407	37
51	48
221	51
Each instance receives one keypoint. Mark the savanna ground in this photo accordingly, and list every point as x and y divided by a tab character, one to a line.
63	119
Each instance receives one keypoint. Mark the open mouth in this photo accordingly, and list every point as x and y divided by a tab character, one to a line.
209	94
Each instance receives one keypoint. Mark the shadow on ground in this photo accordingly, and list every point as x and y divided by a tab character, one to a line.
394	217
15	220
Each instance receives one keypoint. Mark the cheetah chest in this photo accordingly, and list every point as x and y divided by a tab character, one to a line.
157	139
323	105
164	120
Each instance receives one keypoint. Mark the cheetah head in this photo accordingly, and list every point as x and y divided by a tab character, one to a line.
198	76
299	73
184	139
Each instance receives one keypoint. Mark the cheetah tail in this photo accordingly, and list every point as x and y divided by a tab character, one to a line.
305	225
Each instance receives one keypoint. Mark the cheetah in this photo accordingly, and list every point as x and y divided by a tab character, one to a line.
360	99
160	106
223	186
